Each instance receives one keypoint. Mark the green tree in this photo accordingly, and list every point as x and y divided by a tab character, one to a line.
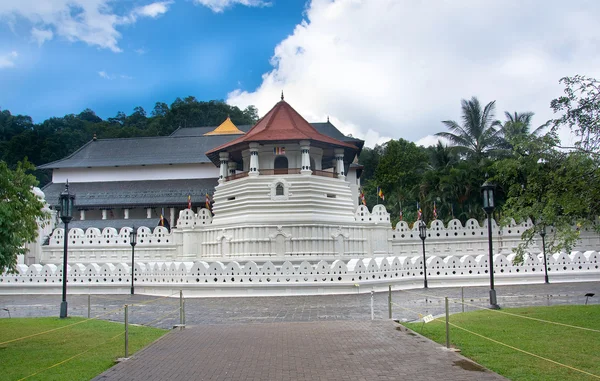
20	211
580	109
477	137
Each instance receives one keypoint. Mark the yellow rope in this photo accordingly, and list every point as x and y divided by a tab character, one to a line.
501	343
527	317
523	351
72	357
59	328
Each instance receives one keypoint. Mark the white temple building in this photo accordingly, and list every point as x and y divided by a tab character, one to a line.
285	220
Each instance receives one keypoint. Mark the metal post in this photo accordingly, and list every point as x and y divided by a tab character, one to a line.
493	300
462	298
89	305
424	266
126	332
390	301
184	312
181	307
545	263
63	304
447	325
372	310
132	267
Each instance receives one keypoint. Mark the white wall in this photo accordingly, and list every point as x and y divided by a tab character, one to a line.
136	173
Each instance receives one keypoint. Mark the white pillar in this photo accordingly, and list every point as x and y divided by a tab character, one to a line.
232	165
224	159
82	215
339	158
254	167
305	149
104	214
172	217
148	212
126	213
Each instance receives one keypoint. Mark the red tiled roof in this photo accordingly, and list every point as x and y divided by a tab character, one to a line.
280	124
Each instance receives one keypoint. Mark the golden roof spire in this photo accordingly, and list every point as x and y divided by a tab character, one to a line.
226	128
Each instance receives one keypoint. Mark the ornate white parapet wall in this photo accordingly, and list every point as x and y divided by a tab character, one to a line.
472	239
340	276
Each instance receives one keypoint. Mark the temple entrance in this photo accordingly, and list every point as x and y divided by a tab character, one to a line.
280	166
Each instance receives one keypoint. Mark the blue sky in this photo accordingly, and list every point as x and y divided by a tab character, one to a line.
189	50
379	69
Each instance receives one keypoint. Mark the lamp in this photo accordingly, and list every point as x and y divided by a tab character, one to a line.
66	201
132	242
423	235
487	191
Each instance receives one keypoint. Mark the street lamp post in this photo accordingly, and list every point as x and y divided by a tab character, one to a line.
132	242
423	235
487	191
543	234
67	201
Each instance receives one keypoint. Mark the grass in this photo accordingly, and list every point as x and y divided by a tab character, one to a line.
570	346
23	358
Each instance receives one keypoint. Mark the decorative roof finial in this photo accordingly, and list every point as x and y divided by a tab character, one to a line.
94	138
327	118
281	94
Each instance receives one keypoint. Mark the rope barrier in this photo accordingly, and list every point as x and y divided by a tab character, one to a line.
72	357
59	328
425	295
524	351
526	317
507	345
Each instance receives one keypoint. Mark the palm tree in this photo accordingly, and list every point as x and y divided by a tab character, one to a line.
477	137
518	125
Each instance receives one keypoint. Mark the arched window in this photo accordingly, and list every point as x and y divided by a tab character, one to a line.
279	189
281	165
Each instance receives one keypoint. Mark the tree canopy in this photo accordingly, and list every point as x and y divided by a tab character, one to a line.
20	212
55	138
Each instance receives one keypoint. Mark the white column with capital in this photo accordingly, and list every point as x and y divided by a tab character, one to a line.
339	158
148	212
104	214
254	167
224	158
305	149
126	213
82	215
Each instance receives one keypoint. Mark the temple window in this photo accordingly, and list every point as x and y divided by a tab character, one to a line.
279	189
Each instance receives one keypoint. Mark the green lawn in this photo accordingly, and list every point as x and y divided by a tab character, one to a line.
20	359
570	346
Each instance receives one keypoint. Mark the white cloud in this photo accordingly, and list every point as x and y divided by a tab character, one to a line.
153	10
140	51
220	5
397	68
41	35
106	75
8	60
91	21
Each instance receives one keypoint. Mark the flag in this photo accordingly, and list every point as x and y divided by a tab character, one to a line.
362	197
207	202
434	211
278	150
419	212
162	221
380	193
189	201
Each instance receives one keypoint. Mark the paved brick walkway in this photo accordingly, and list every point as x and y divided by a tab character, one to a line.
325	350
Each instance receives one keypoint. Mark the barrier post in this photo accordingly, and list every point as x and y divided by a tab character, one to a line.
89	305
390	301
181	308
447	325
372	311
462	298
126	332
